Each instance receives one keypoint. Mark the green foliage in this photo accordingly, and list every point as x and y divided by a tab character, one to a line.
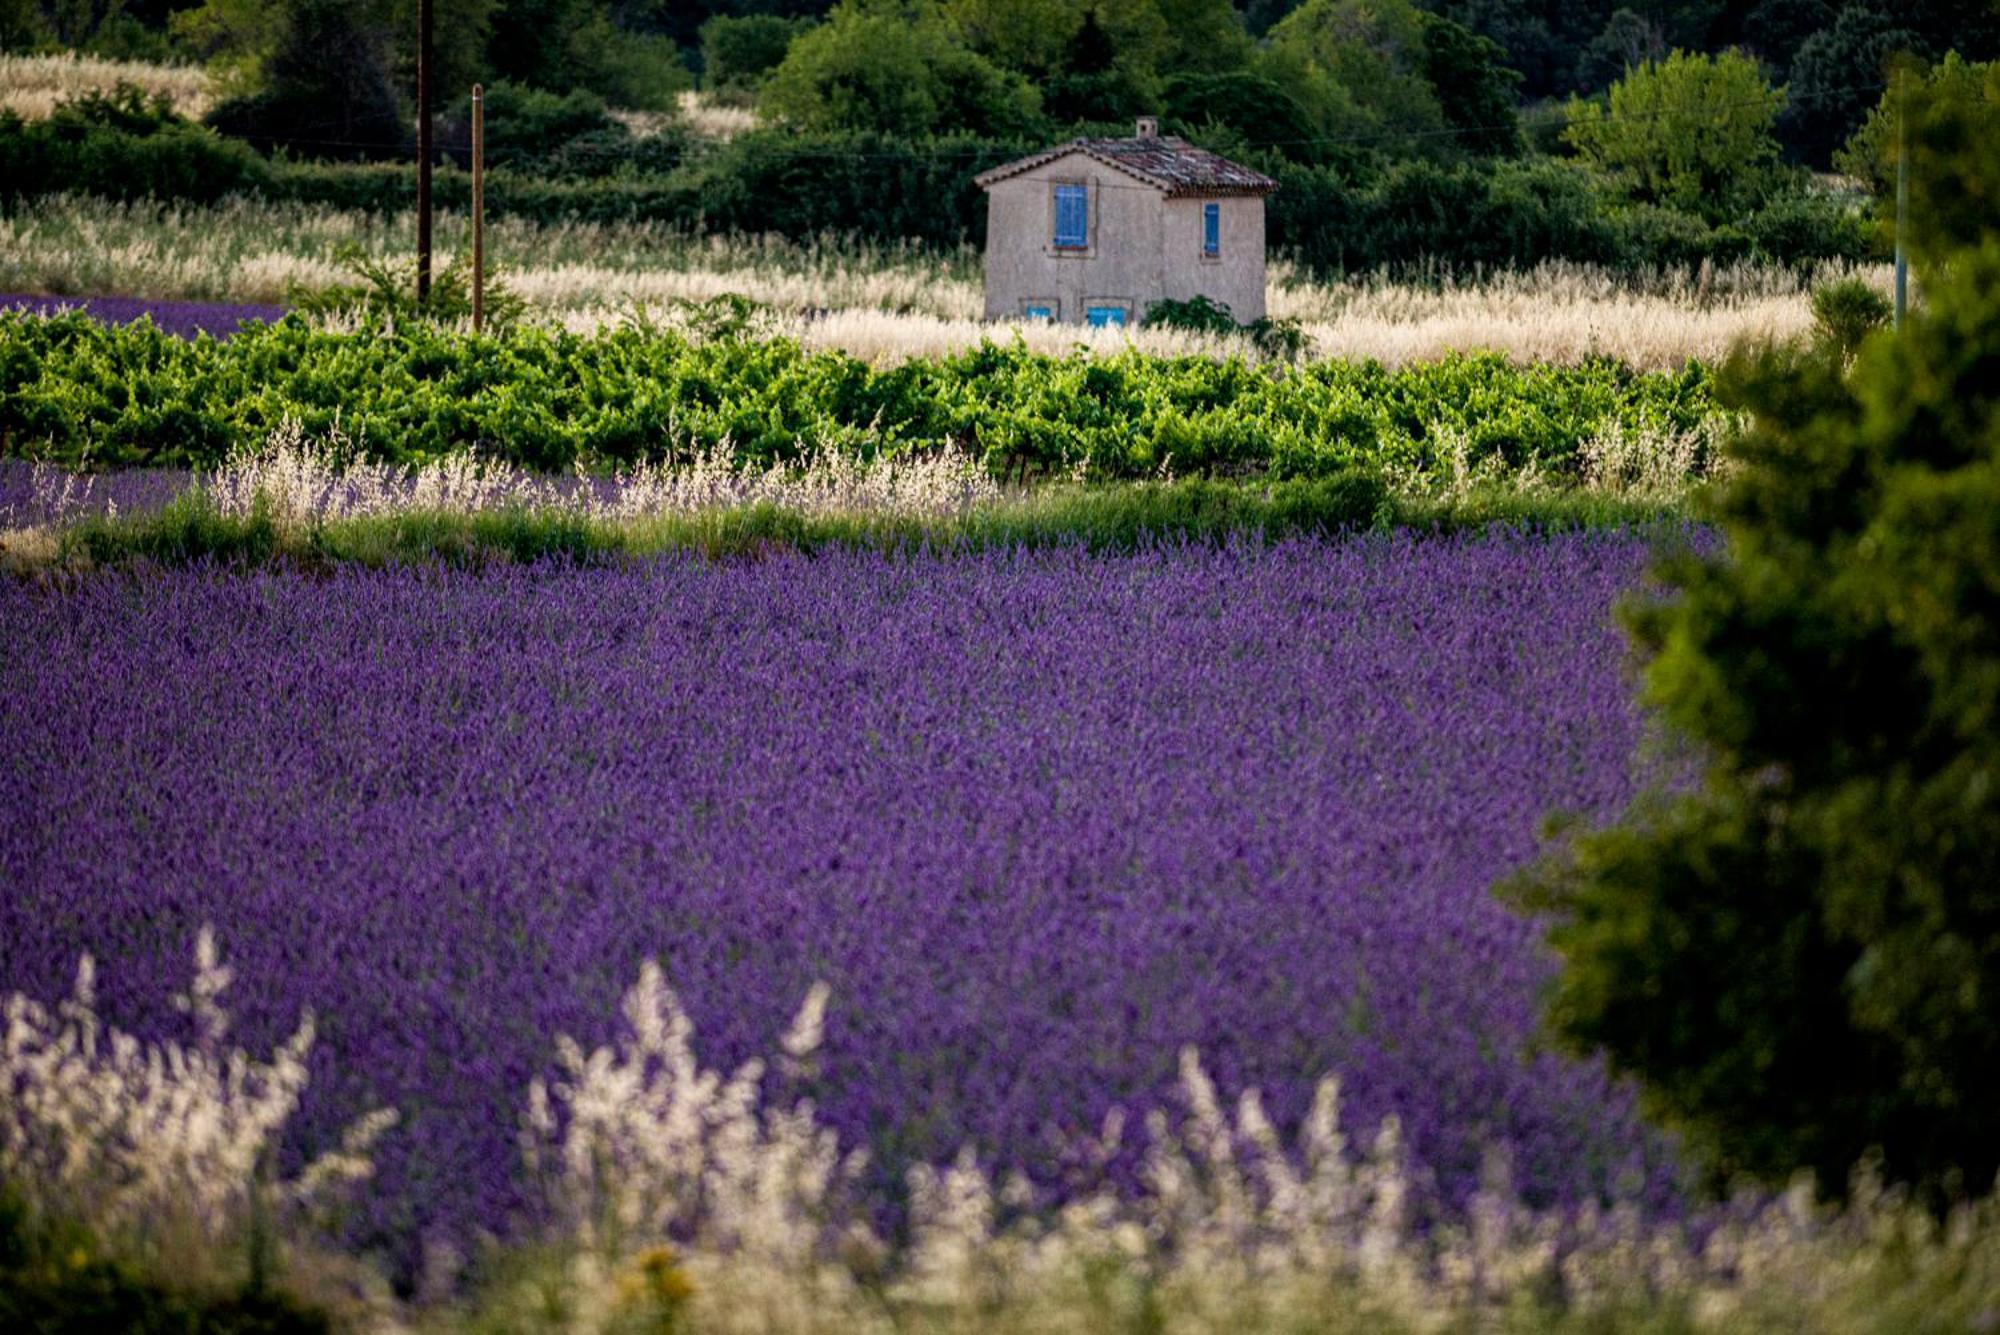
1359	68
1334	216
576	45
1474	88
1692	133
1965	88
324	91
540	135
893	66
123	145
1029	36
1838	73
1284	340
737	52
1846	312
1800	958
77	392
55	1280
386	291
1262	112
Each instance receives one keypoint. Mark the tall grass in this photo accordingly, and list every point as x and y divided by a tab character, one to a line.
31	86
311	502
887	303
669	1196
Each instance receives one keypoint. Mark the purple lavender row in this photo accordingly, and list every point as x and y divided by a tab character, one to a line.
1039	819
184	319
46	495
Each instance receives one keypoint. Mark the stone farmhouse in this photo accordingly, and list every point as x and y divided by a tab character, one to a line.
1094	231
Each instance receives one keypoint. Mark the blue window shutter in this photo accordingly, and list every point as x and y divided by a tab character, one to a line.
1072	215
1101	317
1211	229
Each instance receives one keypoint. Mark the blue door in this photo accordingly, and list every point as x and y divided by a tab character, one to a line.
1105	317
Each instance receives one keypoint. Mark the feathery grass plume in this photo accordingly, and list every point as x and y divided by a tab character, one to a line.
681	1196
638	1148
163	1149
706	117
302	482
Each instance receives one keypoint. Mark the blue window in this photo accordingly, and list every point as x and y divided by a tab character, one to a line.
1036	311
1072	216
1105	317
1211	229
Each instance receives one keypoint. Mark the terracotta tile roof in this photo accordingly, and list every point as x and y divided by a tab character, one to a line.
1171	164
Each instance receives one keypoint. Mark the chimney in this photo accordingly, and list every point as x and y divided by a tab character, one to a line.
1149	127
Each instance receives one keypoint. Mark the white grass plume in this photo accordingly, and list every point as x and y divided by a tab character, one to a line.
162	1149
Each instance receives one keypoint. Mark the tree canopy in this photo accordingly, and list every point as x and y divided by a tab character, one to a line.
1694	133
1799	958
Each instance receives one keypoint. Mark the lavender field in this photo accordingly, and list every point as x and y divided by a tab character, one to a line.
1038	820
184	319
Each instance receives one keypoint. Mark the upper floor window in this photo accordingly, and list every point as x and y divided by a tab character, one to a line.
1072	217
1211	229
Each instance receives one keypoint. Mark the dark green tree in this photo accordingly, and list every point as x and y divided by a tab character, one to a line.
1776	29
1838	74
1474	88
1799	958
326	90
1628	41
1099	86
1259	110
570	45
736	53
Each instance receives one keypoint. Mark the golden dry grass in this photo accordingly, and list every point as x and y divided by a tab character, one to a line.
711	120
31	86
888	303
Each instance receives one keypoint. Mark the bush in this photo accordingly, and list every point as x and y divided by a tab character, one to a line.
526	126
1847	312
1804	226
1281	339
1799	959
570	137
123	146
385	292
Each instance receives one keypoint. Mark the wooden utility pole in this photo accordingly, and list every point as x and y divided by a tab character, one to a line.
478	207
424	151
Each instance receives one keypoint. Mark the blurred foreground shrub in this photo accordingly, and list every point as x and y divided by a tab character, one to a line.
1800	959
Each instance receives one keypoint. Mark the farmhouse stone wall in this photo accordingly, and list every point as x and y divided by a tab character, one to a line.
1143	246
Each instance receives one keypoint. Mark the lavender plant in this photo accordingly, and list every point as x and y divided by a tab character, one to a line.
1039	821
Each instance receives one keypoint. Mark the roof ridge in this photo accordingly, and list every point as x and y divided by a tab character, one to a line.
1169	163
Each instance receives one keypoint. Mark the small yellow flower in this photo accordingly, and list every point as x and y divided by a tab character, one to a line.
655	1280
664	1277
78	1258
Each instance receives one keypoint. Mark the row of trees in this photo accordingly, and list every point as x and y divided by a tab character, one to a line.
1426	73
